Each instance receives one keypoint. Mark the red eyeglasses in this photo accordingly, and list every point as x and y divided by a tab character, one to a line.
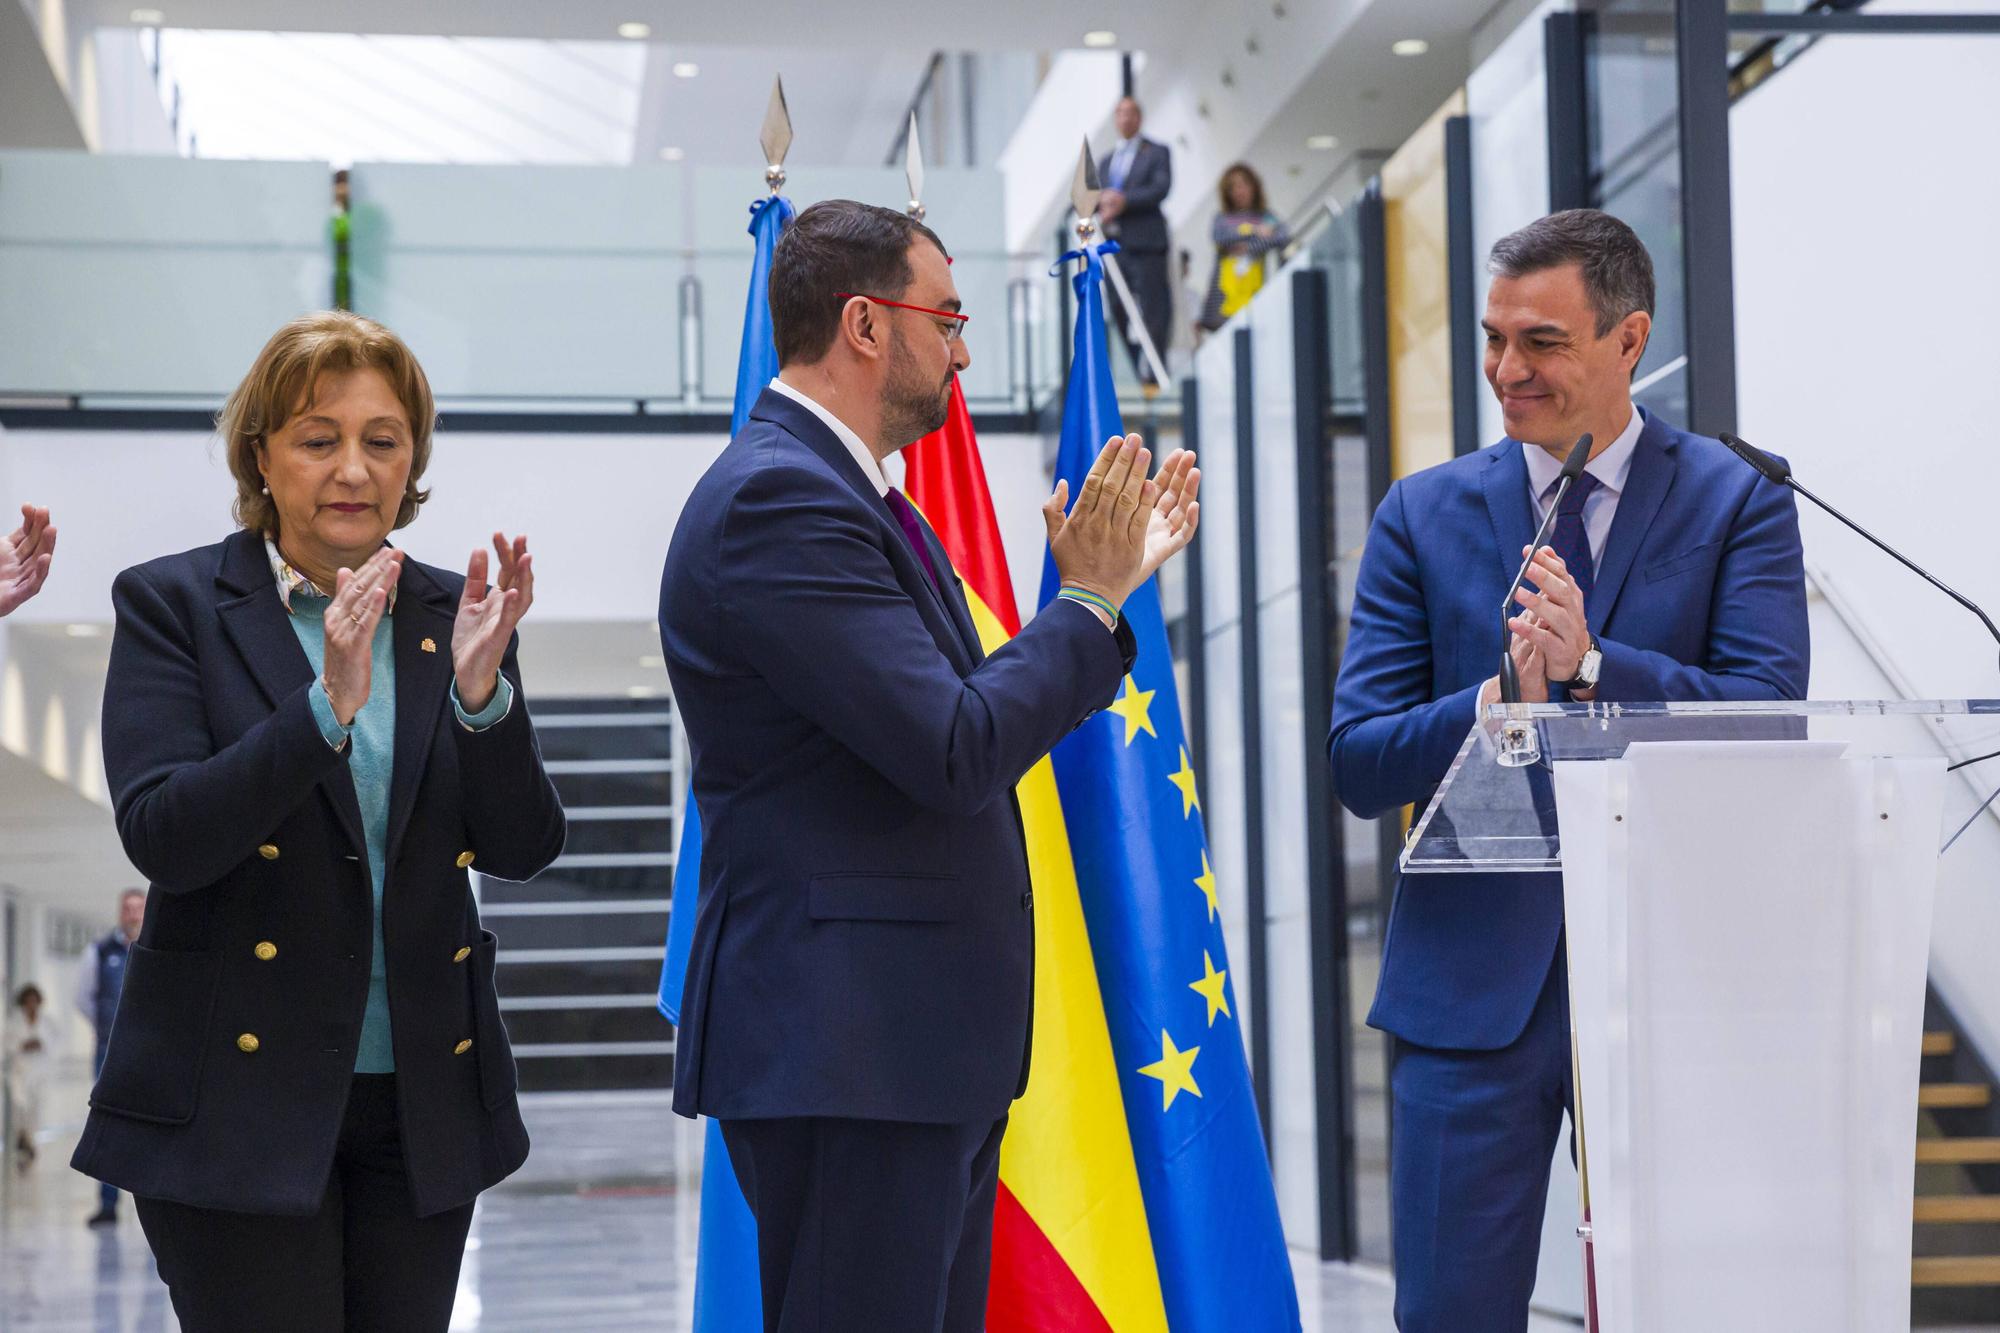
958	321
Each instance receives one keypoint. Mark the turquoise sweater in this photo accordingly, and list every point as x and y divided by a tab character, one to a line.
373	734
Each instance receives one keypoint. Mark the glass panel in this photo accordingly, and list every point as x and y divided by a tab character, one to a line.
1634	94
153	275
1490	816
1336	248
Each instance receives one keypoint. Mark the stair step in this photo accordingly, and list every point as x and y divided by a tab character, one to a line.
1958	1208
1939	1043
1981	1270
1958	1150
1935	1095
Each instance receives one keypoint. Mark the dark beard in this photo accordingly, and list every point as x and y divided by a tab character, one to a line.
911	409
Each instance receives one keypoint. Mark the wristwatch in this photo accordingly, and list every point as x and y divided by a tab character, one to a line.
1587	670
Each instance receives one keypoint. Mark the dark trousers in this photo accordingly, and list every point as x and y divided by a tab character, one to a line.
1146	274
1469	1171
870	1224
364	1263
107	1195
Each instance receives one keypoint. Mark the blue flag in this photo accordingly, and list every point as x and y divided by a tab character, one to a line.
726	1294
1149	901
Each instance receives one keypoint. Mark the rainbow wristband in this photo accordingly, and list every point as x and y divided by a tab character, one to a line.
1093	600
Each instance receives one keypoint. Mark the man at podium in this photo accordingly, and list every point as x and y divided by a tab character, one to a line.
1672	572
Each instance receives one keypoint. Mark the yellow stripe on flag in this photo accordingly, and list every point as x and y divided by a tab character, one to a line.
1067	1157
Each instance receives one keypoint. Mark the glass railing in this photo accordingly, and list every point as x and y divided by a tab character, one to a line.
152	281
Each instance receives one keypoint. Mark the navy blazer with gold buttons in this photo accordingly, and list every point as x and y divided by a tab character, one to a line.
232	1052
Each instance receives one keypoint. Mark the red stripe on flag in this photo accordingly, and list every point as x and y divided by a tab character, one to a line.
946	480
1033	1290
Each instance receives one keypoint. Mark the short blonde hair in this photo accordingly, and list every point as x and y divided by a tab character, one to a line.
280	385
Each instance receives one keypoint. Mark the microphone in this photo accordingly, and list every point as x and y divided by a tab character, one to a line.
1777	472
1510	679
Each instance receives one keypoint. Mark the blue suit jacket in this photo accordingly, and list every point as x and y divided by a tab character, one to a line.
1700	594
865	941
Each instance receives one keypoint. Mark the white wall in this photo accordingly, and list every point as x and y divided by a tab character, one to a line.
598	509
1865	273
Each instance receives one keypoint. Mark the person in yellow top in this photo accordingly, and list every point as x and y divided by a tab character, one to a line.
1245	232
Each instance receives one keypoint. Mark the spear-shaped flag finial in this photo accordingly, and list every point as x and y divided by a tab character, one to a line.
913	170
1083	193
776	136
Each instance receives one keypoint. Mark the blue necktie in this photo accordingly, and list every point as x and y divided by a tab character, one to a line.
1569	540
913	531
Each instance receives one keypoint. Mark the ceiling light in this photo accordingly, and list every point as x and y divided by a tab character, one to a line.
637	32
653	661
1322	142
686	69
83	631
1100	38
668	154
640	692
148	18
1411	46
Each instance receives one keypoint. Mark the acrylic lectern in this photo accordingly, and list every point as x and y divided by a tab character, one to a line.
1747	891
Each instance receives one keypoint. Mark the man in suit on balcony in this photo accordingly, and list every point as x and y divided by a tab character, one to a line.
1136	178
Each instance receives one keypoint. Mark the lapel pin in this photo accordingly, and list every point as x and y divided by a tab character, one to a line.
429	645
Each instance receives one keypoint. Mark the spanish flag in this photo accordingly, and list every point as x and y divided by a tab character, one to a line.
1071	1248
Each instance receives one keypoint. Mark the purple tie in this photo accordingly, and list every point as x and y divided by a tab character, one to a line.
913	531
1569	540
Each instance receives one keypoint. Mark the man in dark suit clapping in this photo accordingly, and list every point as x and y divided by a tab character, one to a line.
858	993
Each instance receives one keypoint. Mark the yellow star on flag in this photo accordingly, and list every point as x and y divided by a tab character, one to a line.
1135	707
1210	989
1206	883
1175	1071
1185	781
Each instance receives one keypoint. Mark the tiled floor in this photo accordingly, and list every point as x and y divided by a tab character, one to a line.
595	1233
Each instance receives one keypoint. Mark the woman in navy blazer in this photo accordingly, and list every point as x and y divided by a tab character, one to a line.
310	740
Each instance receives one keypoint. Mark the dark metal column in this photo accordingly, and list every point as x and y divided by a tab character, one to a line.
1375	341
1326	853
1461	264
1568	103
1702	50
1196	621
1257	927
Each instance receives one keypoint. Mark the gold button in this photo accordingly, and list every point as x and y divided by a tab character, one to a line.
269	851
247	1043
464	860
462	1047
461	955
266	950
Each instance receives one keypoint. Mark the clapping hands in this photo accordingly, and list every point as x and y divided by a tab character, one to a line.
1124	526
25	556
487	617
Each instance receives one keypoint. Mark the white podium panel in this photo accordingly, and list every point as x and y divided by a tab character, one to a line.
1748	931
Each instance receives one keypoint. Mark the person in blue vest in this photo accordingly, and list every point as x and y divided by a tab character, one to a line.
1672	573
100	980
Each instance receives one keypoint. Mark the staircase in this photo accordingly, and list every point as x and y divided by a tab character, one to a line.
580	944
1955	1274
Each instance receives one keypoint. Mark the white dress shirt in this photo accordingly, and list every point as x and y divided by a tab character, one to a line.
1612	468
871	467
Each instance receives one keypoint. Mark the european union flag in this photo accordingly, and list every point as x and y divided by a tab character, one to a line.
726	1295
1149	898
